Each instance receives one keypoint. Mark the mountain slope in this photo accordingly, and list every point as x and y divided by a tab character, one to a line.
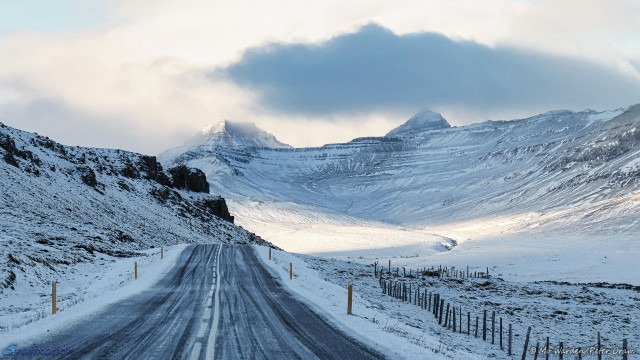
62	206
432	175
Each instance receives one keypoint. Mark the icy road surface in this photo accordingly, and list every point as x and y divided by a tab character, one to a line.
218	302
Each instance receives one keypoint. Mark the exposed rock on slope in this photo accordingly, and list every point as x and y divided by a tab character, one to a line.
63	205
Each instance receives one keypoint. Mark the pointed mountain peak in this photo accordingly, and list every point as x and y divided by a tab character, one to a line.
423	121
236	135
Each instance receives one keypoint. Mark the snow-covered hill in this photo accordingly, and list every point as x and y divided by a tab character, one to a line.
557	174
65	207
426	173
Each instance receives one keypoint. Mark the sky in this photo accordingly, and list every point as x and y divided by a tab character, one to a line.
147	75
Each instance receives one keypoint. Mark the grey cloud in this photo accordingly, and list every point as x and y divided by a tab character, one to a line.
375	69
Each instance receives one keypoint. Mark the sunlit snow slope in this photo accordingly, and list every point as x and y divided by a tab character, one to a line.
562	172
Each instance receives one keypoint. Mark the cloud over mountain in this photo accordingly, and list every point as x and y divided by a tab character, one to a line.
375	69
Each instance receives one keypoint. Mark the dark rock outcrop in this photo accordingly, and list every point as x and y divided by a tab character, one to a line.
219	208
88	176
189	179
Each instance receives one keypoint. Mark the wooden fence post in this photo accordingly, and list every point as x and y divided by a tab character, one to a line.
535	354
389	267
161	253
269	252
509	344
624	349
561	350
454	319
176	239
446	317
460	312
290	271
135	269
468	323
54	308
349	297
599	347
484	326
501	347
526	344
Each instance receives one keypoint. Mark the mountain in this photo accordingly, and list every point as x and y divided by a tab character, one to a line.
425	173
426	120
63	206
228	134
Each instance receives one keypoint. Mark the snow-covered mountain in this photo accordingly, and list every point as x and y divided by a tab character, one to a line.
62	206
426	173
421	122
228	134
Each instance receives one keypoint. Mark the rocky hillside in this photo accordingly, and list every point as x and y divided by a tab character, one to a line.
64	205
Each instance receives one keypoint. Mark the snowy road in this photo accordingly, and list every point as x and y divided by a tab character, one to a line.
218	302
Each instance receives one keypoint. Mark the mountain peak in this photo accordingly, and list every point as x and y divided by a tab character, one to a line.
235	134
423	121
215	127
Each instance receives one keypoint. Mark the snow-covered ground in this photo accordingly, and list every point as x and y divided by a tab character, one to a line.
368	322
81	291
509	245
573	314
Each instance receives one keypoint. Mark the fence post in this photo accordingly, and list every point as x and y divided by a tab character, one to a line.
54	308
509	344
526	344
599	347
468	323
493	327
441	309
349	297
546	356
484	326
290	271
624	349
501	348
460	312
476	327
561	350
389	267
161	253
176	239
269	252
446	317
135	269
535	354
454	319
